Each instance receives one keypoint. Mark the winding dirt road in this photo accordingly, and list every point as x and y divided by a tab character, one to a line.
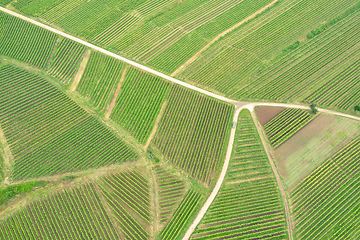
238	107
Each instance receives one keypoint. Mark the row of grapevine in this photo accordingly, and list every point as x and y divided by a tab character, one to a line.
48	133
100	79
248	205
181	216
25	41
139	102
262	39
171	191
76	213
286	124
66	60
193	132
326	203
127	195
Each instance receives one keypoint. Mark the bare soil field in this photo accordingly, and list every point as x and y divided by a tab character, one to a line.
266	113
312	145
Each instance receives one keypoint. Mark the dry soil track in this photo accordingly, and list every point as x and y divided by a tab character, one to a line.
239	106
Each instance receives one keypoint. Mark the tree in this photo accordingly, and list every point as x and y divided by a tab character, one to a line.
357	108
313	108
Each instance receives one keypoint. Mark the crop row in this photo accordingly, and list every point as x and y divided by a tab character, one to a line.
127	195
326	203
100	79
139	102
48	133
66	60
171	191
193	132
181	216
76	214
286	124
248	205
25	41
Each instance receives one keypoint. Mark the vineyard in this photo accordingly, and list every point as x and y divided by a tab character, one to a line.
26	42
76	213
245	53
37	118
171	191
193	132
248	205
181	216
66	60
100	79
139	102
334	184
286	124
127	195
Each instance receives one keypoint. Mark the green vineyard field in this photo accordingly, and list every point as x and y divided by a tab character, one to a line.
48	133
248	205
193	132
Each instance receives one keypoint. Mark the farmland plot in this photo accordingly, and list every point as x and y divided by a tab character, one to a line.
181	216
248	205
326	203
127	195
193	132
24	41
139	102
48	133
100	79
66	60
286	124
171	191
76	213
260	41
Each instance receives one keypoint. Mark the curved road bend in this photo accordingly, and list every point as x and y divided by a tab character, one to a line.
239	106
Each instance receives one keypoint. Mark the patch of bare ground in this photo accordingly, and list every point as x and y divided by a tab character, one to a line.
6	155
198	54
81	70
117	91
266	113
154	196
247	180
153	132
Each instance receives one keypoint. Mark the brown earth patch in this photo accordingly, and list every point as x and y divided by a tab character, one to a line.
265	113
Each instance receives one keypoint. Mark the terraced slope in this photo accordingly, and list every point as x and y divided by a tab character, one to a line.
193	132
127	195
25	41
171	191
76	213
66	60
248	205
286	124
139	102
48	133
326	203
100	79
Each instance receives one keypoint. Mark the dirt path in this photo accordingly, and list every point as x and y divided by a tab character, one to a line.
198	54
277	176
81	70
156	125
117	91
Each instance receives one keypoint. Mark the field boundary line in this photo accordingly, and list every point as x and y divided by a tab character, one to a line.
153	132
6	156
220	180
197	55
135	64
116	94
277	176
81	70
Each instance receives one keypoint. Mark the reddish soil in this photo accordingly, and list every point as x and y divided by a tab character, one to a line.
266	113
